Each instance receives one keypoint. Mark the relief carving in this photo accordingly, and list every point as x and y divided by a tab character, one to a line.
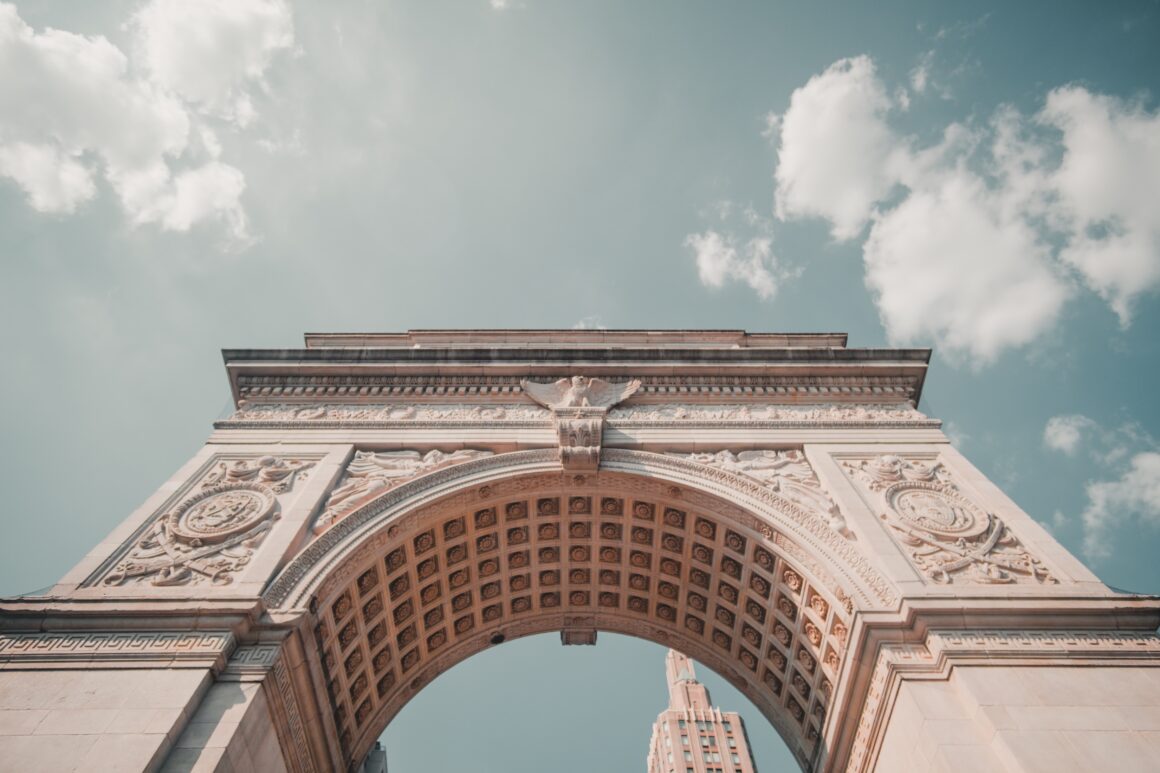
279	414
947	536
579	407
272	414
820	414
370	474
211	535
787	472
579	392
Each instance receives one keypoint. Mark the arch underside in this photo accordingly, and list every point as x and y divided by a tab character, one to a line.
554	552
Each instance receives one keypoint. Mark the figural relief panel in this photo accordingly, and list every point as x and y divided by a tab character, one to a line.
211	534
787	472
371	474
947	536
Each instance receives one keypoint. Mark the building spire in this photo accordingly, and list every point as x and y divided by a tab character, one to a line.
684	689
679	668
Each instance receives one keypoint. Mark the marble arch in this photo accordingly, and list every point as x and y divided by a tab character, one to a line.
657	547
382	506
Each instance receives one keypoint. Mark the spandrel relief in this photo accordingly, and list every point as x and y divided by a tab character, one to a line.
948	537
371	474
211	535
787	472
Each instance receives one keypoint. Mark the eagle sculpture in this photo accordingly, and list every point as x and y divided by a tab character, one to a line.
579	392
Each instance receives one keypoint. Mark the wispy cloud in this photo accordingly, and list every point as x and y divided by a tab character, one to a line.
1128	464
1064	433
721	256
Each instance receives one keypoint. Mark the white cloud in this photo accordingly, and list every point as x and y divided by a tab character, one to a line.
53	180
920	75
837	155
65	95
1064	433
1110	503
1108	186
977	239
209	192
71	109
591	322
211	51
719	259
949	264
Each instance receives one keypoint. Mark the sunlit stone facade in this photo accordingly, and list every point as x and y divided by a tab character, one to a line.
380	507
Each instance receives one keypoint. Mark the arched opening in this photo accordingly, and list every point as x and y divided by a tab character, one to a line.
532	705
409	592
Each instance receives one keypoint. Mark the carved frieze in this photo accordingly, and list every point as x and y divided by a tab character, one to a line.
278	415
371	474
210	536
787	472
773	414
258	415
948	537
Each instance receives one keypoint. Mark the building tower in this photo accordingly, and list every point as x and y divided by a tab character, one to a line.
691	735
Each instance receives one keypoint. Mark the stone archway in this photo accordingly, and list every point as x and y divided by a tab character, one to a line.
401	593
381	507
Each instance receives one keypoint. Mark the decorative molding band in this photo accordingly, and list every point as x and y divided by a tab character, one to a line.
288	700
687	414
252	660
91	647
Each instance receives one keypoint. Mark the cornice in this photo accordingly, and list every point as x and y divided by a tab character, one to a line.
360	384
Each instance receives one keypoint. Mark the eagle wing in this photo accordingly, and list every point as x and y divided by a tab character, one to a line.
547	395
607	394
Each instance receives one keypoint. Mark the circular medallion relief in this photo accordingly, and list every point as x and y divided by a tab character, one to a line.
934	509
221	512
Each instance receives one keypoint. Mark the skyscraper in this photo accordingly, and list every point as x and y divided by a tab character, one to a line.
691	735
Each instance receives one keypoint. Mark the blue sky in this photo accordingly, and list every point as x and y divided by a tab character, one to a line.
179	177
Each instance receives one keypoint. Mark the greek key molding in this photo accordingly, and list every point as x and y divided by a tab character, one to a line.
252	659
93	646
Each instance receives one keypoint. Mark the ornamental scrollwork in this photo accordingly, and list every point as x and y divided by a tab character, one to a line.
946	535
212	534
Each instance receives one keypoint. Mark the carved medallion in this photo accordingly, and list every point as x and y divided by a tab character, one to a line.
211	535
947	536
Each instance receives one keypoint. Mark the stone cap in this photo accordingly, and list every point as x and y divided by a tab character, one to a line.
572	338
487	366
